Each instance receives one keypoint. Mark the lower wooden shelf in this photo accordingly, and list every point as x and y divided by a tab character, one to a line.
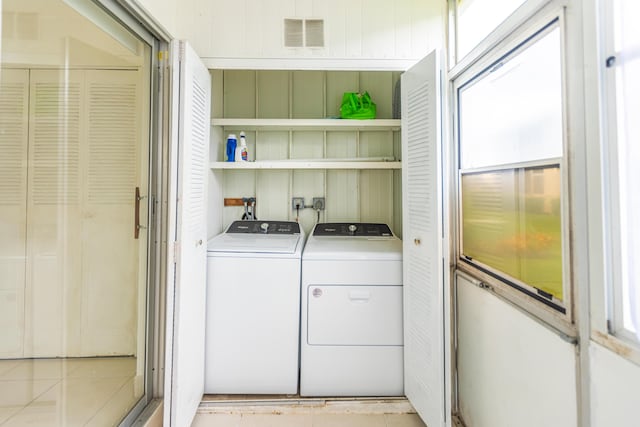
296	164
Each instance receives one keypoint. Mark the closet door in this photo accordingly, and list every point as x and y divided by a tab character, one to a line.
54	197
14	109
111	172
84	273
426	290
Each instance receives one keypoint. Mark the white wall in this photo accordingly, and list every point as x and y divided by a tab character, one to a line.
358	33
164	12
512	370
615	389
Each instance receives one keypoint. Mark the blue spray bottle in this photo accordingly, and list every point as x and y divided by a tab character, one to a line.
232	143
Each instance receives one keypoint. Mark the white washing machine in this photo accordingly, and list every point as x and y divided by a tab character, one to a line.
351	312
253	308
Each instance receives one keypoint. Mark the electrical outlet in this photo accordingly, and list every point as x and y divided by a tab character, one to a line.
318	203
297	202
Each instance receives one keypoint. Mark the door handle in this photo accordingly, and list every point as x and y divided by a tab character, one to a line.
359	296
137	227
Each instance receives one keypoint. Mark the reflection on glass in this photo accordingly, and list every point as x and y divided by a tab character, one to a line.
74	135
511	223
513	113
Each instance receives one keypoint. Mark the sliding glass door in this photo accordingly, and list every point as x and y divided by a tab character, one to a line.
75	132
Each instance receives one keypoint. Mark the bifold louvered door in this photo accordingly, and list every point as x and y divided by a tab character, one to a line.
112	259
112	169
80	165
54	196
14	109
426	321
186	296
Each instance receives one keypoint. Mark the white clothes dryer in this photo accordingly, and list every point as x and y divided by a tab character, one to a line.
351	312
253	308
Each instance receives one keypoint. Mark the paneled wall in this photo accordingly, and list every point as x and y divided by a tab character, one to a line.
390	33
368	195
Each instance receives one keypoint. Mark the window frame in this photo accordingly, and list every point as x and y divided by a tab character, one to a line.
611	185
560	318
518	19
458	6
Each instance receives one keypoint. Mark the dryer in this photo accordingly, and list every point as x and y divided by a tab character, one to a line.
253	308
351	312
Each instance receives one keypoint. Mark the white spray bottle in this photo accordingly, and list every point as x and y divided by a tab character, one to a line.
242	150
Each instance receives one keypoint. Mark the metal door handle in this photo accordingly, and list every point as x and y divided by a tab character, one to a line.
137	227
417	241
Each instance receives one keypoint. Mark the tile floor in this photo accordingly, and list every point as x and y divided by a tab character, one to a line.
311	413
99	392
67	392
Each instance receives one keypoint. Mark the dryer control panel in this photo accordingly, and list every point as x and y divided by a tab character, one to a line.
357	229
264	227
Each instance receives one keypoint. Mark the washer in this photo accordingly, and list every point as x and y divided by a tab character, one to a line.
351	312
253	308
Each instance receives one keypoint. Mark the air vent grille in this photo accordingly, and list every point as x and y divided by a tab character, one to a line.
293	34
304	33
314	32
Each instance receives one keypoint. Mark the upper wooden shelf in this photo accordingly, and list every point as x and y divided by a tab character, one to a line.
307	124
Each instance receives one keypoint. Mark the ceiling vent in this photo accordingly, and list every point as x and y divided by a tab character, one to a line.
304	33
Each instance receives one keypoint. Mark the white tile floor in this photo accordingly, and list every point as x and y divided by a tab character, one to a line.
341	413
100	392
67	392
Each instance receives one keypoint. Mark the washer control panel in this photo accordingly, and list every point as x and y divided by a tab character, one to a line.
264	227
357	229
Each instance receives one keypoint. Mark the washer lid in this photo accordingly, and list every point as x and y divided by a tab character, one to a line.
255	243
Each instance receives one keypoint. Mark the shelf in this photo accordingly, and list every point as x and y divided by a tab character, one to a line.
307	124
297	164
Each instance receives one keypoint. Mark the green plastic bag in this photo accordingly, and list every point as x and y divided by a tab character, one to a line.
357	106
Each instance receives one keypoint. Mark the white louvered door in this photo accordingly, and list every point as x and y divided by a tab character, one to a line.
426	321
184	364
111	172
14	109
54	197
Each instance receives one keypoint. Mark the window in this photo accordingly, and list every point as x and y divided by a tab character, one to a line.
513	231
476	19
510	139
622	171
